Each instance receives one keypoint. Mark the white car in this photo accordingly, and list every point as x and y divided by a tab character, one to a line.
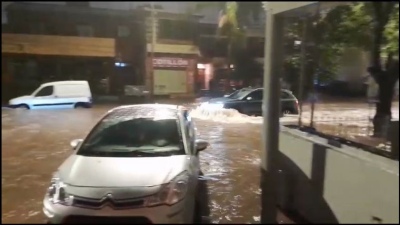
55	95
139	164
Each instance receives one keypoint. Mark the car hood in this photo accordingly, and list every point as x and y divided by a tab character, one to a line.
21	98
220	100
121	172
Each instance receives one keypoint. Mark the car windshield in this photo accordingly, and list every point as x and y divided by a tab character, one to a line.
239	94
139	137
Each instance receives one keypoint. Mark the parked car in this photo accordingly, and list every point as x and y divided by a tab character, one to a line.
249	101
54	95
139	164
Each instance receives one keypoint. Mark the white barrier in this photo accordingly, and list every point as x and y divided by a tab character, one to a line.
327	184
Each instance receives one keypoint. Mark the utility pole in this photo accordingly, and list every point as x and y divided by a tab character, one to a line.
152	47
273	58
302	68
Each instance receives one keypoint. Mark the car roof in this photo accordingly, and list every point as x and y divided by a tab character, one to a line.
165	111
66	82
285	90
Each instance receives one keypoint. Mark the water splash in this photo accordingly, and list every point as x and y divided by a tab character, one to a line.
233	116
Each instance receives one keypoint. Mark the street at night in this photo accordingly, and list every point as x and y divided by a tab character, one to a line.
200	112
35	143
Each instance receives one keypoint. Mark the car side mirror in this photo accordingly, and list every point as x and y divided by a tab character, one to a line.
75	143
226	96
201	145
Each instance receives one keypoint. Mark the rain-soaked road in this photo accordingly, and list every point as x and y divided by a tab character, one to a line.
34	144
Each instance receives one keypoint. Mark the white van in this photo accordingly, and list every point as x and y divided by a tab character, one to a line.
55	95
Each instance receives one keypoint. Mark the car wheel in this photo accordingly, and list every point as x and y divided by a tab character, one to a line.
23	106
239	110
79	106
197	218
286	112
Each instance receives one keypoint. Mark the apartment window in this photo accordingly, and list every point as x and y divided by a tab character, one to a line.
85	31
176	30
123	31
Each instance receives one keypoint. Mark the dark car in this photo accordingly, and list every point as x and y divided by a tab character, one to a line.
249	101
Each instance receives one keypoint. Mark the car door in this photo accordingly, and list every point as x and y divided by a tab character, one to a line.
44	98
194	164
286	101
252	103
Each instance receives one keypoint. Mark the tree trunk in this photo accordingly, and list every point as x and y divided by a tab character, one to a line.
383	106
383	113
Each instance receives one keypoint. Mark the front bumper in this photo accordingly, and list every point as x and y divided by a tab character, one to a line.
179	213
8	106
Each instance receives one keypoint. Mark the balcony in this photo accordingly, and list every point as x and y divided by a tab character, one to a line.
57	45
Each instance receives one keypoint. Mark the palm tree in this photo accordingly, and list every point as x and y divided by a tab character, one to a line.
227	25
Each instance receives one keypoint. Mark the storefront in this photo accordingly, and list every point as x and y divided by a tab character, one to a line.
173	74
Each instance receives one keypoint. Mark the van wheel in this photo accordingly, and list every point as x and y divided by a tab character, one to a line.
23	106
79	105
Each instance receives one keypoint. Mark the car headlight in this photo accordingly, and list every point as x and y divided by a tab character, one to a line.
203	105
171	193
57	193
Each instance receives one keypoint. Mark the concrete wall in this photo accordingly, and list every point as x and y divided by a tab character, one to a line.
327	184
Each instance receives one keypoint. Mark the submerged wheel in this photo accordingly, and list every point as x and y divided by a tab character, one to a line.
80	105
197	218
23	106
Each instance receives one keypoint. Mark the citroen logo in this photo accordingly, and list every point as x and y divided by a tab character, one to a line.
108	197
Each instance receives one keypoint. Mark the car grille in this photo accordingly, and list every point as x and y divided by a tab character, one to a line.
106	220
100	203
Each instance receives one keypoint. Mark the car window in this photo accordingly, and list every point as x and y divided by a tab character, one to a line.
285	95
139	137
46	91
255	95
239	94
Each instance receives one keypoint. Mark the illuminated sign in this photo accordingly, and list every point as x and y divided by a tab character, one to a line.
170	62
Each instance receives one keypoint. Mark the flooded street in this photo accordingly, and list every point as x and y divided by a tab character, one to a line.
35	143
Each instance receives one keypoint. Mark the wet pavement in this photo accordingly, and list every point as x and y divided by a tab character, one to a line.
35	143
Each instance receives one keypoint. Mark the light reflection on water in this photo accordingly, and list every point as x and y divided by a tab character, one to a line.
35	143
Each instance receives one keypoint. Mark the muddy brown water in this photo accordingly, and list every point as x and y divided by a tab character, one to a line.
36	142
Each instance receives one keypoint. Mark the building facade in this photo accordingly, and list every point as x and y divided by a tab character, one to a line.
46	42
111	44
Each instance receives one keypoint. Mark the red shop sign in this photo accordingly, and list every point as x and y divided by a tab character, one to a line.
170	62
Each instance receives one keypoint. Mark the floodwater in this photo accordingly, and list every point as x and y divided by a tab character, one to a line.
35	143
